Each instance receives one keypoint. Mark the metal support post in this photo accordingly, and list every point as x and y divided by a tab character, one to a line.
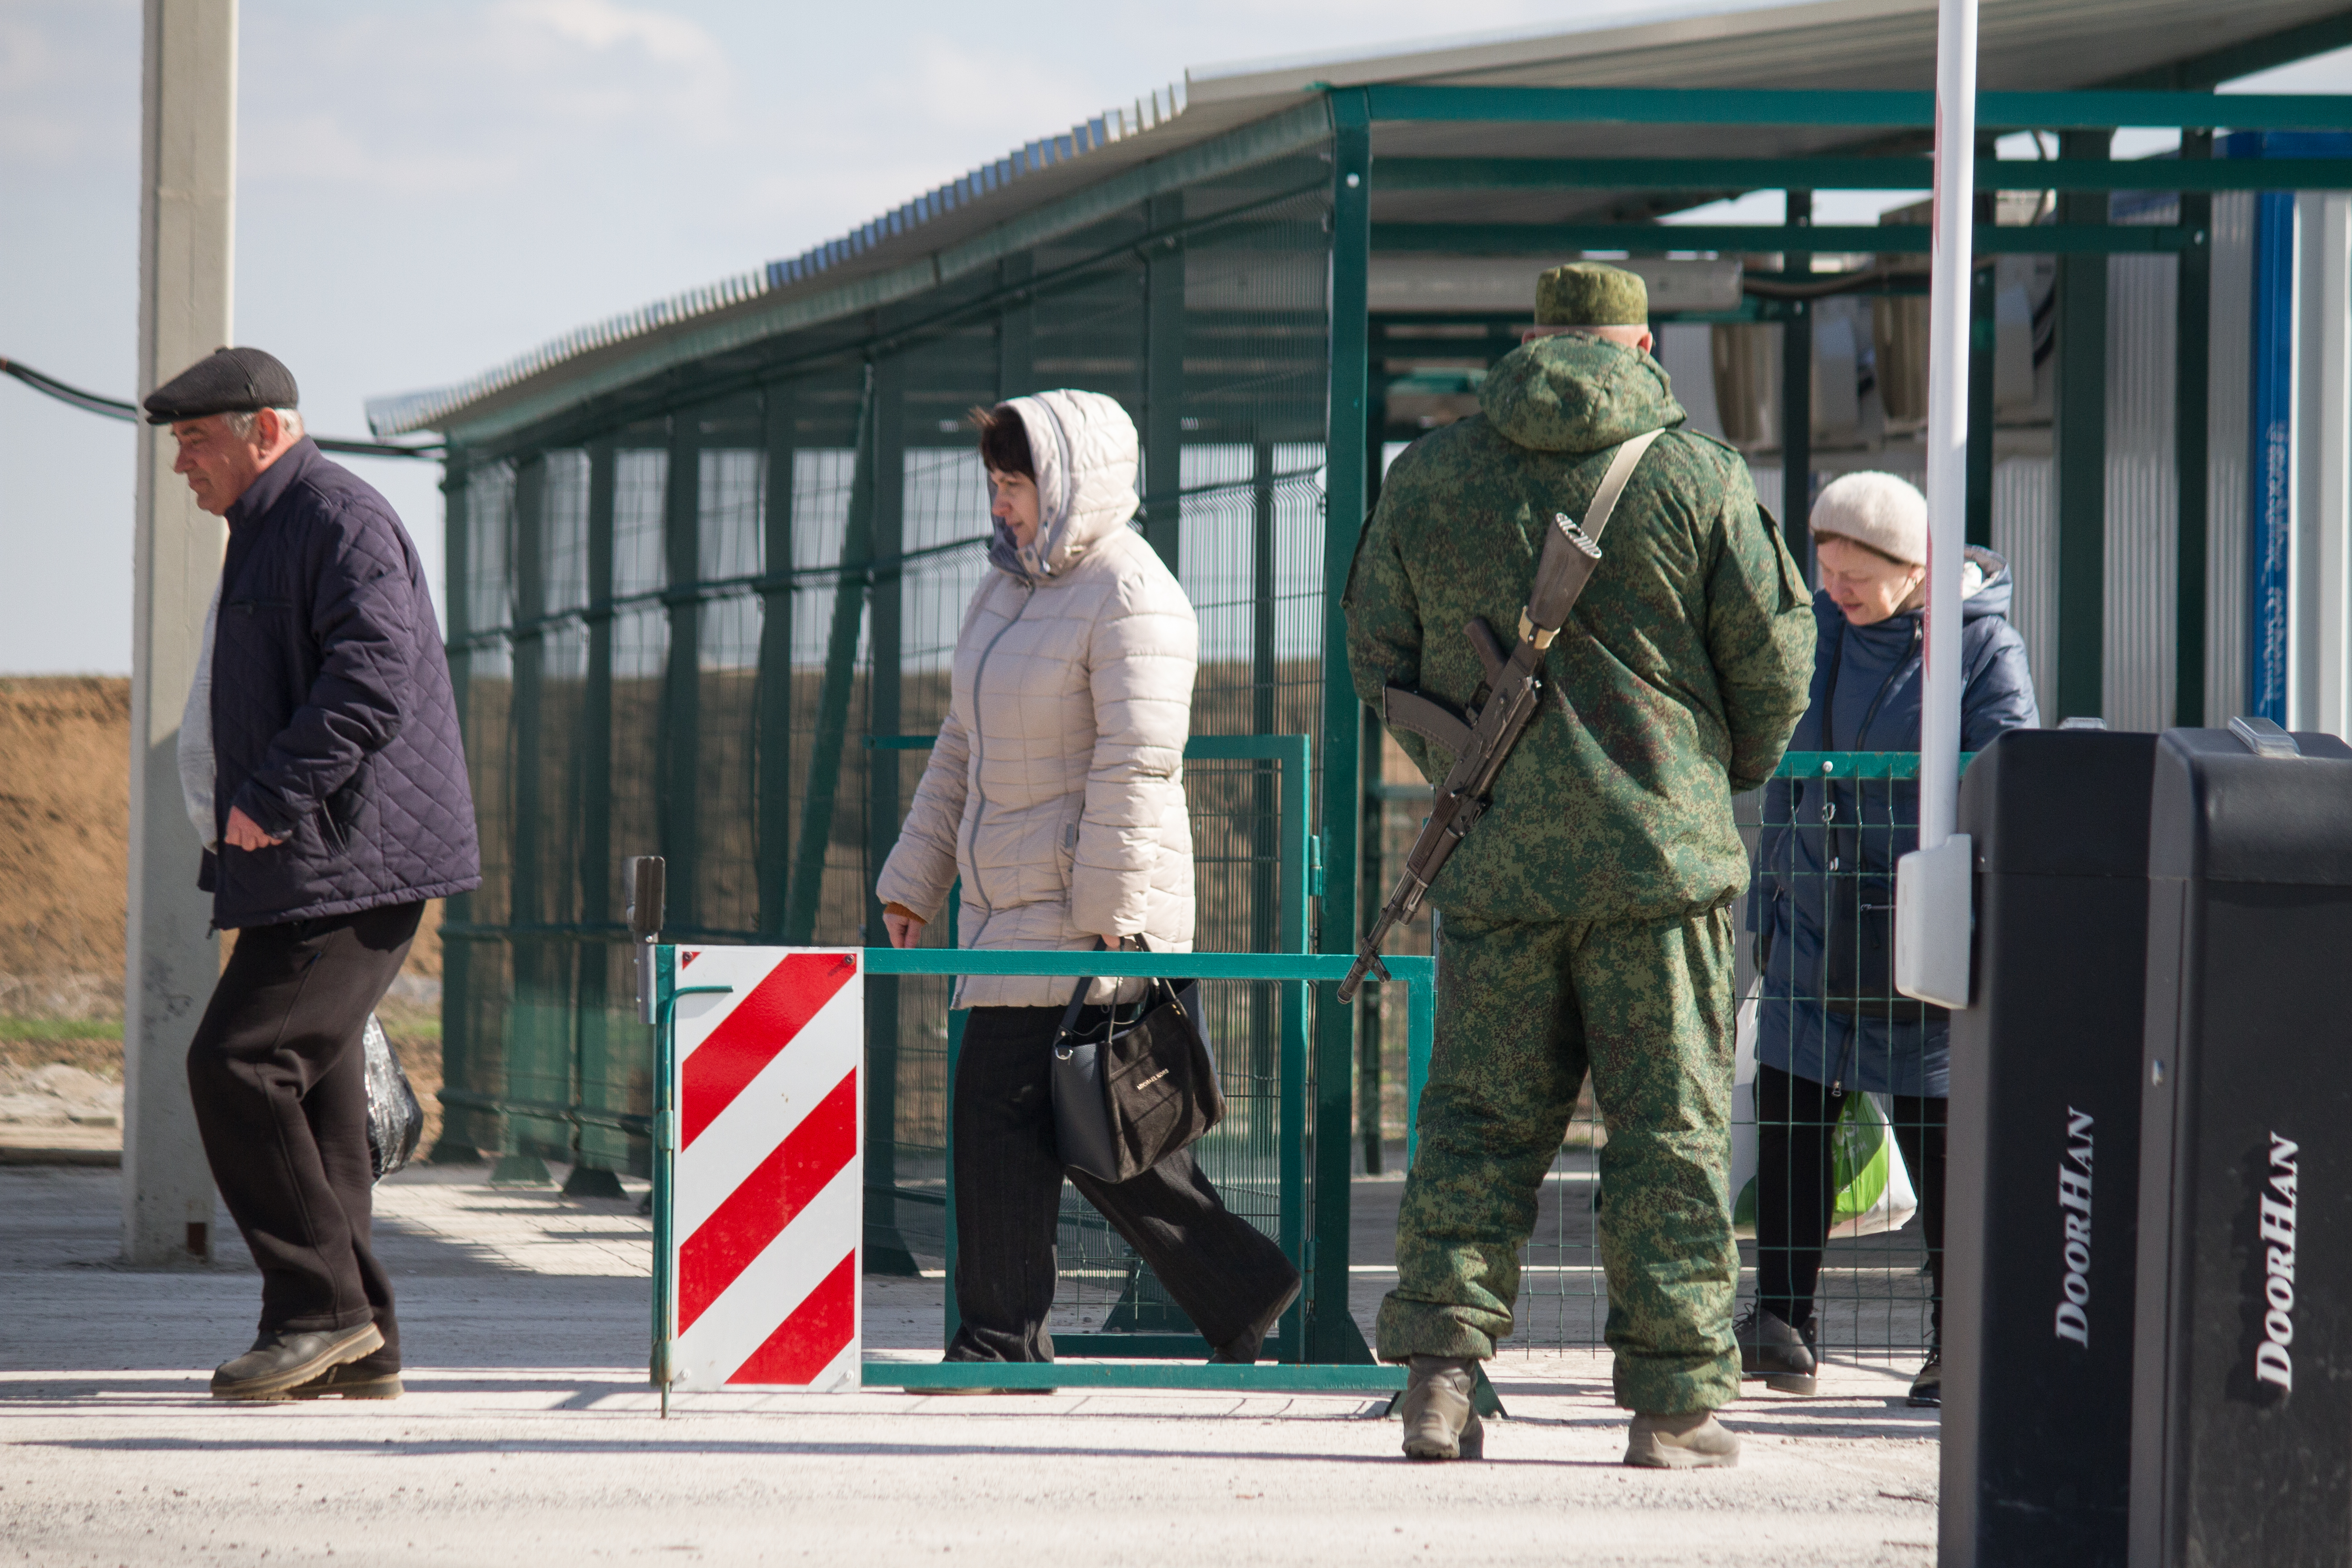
1265	1000
679	768
1370	876
1797	400
1331	1332
886	1247
605	1040
538	1063
2270	465
2082	395
2193	351
2319	670
462	1138
775	742
1164	383
832	697
186	235
1983	336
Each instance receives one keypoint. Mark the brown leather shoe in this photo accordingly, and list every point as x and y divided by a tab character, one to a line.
281	1362
353	1380
1693	1440
1440	1423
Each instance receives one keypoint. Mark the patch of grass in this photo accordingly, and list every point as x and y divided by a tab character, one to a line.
58	1029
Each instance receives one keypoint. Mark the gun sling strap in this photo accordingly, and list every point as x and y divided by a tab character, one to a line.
1569	555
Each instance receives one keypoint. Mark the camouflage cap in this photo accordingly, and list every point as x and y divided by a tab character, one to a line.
1591	294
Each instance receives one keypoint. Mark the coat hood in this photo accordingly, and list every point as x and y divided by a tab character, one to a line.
1572	393
1084	446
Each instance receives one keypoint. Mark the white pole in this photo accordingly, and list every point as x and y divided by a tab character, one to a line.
1948	413
1933	886
187	177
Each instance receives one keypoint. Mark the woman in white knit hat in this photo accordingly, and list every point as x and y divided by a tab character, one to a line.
1830	1024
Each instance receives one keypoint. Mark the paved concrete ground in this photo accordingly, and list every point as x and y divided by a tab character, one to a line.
529	1436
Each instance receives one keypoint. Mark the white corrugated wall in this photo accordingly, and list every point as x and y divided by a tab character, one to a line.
2143	513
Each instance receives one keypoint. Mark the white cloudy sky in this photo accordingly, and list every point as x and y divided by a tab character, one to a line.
427	187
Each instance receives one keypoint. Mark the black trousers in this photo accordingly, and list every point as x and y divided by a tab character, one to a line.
1222	1271
280	1090
1795	1118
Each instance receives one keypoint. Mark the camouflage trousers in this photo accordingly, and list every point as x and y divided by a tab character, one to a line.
1522	1011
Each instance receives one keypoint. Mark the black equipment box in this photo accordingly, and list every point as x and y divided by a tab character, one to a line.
2045	1093
2242	1398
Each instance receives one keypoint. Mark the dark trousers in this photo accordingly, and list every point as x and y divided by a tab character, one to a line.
1795	1118
1222	1271
280	1090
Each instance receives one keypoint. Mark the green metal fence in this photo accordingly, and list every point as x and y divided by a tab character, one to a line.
1873	1295
680	612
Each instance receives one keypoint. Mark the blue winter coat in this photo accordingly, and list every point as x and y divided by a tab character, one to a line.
334	723
1875	672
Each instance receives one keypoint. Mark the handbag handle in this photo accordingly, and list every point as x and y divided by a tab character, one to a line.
1078	996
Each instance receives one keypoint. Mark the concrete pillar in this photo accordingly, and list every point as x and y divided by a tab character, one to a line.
2319	561
186	232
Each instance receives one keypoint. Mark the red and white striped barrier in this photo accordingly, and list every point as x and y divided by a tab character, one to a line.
767	1187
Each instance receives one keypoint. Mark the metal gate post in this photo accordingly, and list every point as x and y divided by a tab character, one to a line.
1332	1333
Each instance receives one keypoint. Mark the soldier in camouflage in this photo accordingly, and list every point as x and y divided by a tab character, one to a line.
1587	917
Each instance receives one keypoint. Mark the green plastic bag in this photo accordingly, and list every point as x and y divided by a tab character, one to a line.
1874	1189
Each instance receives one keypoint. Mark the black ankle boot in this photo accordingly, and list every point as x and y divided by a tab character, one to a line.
1771	1350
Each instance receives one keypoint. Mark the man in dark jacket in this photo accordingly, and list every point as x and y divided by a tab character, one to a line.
339	805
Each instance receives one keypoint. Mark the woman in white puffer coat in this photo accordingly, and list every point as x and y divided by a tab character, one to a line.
1056	790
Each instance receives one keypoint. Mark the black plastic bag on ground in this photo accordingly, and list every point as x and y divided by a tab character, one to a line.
395	1118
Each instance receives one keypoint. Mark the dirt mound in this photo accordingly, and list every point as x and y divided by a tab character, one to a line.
65	797
65	808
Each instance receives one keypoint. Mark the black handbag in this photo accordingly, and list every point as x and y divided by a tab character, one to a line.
1131	1089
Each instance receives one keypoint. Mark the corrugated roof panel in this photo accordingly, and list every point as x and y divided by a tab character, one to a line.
2025	44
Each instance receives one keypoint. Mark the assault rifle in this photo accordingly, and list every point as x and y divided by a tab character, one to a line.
1500	708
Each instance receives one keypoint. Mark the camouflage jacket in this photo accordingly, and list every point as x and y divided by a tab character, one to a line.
1676	681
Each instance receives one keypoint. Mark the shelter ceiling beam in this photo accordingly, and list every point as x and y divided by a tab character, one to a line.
2087	109
1546	239
1847	173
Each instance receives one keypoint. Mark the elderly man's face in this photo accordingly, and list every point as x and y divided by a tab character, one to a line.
219	463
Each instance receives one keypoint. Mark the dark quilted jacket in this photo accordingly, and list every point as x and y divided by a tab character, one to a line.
334	723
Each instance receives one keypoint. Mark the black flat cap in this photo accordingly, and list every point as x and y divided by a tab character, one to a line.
226	381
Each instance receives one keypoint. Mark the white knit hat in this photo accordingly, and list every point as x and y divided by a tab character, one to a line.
1881	510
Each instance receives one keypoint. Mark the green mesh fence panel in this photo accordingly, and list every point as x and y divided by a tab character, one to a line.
676	629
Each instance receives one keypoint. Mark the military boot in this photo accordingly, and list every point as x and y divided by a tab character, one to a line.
1771	1350
1440	1423
1695	1440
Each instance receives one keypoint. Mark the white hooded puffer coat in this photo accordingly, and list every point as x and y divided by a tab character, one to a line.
1057	786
